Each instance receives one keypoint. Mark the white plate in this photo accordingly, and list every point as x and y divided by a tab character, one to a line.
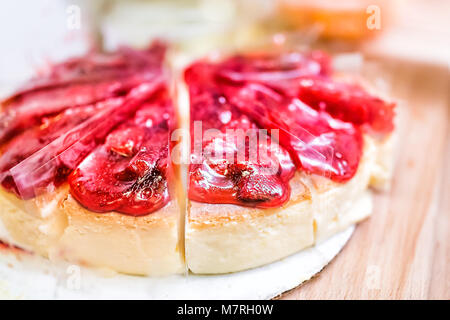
24	276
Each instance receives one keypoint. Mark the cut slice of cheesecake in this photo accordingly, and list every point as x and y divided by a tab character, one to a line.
222	238
93	184
336	133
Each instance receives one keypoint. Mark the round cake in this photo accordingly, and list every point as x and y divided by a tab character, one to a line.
282	155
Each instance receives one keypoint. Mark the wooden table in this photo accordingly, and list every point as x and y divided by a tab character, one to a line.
403	250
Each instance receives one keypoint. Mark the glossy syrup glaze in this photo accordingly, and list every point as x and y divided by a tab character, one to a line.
318	123
222	169
100	122
128	173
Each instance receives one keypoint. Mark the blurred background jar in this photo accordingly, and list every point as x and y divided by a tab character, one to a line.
350	20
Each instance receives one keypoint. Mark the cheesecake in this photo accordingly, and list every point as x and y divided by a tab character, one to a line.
282	155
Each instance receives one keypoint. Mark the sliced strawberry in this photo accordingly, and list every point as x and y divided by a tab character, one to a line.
97	67
125	142
348	102
227	167
230	168
132	181
270	68
51	165
261	190
319	143
36	138
80	81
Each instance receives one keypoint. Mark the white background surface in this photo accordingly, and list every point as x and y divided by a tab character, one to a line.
32	34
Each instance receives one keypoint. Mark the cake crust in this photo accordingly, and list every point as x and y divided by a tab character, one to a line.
63	229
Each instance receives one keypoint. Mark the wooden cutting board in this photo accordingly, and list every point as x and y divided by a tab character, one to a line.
403	250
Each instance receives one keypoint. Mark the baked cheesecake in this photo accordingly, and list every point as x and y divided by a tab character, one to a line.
85	164
282	156
248	209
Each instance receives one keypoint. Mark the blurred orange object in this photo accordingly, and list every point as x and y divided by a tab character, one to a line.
345	20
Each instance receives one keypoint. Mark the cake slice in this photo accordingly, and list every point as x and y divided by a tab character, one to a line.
93	183
324	150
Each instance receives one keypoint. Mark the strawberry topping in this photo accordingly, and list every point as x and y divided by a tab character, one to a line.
318	121
101	122
128	173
